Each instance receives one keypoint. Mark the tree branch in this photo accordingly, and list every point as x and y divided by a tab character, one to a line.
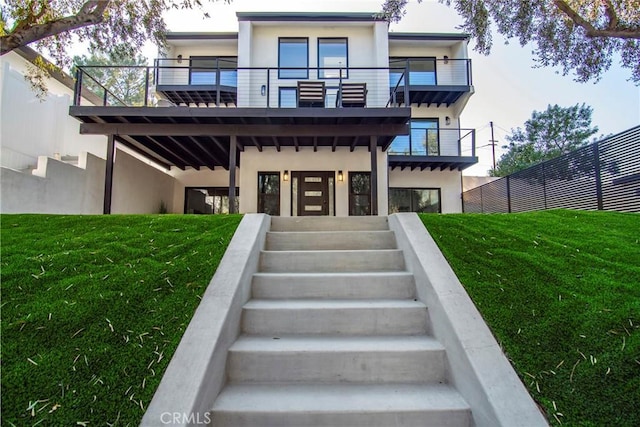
610	31
610	10
91	13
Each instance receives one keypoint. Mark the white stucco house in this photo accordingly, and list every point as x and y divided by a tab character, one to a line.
299	114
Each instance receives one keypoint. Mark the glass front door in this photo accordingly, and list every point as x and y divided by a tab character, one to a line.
312	193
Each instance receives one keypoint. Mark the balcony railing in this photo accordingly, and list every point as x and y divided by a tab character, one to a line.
444	142
174	82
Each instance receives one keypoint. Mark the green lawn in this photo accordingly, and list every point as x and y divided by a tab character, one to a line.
93	308
561	292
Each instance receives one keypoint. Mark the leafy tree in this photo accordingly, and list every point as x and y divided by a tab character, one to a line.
546	135
106	25
581	36
126	84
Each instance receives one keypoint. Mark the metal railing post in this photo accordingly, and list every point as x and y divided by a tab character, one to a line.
146	87
268	87
473	142
77	94
217	82
407	101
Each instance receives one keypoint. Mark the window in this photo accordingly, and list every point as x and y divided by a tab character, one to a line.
424	200
422	71
269	193
208	200
423	139
359	193
287	97
332	57
293	58
204	70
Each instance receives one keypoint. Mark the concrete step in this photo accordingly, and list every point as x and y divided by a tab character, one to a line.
329	223
340	317
389	285
331	261
313	358
329	240
317	404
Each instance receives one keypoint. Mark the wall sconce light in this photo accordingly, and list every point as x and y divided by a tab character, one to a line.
179	59
340	176
285	176
263	90
447	120
446	59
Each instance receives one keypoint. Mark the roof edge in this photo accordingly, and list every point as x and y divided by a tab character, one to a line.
429	36
201	36
31	55
310	16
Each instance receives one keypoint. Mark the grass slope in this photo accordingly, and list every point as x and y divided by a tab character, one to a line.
561	292
93	308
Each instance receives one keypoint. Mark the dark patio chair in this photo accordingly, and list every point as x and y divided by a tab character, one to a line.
311	94
352	95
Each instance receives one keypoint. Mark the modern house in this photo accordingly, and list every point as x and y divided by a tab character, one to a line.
298	114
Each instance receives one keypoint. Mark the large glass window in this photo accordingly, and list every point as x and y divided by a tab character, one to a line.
422	71
332	57
208	200
424	200
293	58
204	70
269	193
359	193
423	139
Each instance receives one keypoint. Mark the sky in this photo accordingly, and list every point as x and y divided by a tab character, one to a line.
508	87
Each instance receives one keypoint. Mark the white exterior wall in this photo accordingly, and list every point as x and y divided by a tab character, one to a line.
449	183
30	128
365	49
60	188
270	160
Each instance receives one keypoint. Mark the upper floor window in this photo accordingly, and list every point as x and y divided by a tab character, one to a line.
332	57
204	70
293	58
422	71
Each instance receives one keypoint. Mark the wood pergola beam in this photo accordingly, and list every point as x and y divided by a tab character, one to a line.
192	129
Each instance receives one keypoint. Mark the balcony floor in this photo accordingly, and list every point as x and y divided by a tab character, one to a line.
199	94
200	137
431	94
431	162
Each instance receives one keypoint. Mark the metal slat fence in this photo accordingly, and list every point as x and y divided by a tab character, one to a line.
604	175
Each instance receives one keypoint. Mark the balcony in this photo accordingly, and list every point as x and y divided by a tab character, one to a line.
429	81
453	149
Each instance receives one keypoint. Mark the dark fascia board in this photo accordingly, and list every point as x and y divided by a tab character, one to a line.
309	16
202	36
429	36
30	55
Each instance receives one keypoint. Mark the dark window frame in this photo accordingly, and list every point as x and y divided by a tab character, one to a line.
435	120
224	192
418	58
215	69
260	195
352	195
306	77
346	68
410	189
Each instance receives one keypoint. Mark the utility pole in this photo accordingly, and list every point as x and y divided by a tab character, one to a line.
493	146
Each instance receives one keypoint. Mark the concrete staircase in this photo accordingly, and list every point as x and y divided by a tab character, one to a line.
333	335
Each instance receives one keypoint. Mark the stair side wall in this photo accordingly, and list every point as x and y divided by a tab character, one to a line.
197	371
478	368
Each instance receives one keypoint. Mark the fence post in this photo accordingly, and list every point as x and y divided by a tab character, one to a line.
596	164
481	201
544	186
508	194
